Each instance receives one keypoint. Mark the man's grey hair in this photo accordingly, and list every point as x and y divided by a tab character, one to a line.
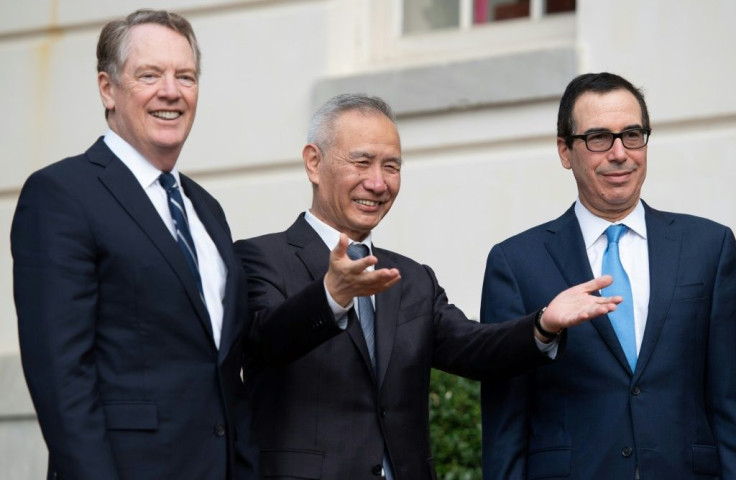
113	45
321	128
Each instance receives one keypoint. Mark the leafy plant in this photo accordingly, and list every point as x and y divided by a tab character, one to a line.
455	426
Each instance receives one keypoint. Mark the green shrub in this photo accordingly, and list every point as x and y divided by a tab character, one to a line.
455	427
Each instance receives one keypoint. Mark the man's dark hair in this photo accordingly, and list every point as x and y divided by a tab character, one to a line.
603	82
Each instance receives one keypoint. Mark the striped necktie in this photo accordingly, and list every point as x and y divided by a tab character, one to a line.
181	225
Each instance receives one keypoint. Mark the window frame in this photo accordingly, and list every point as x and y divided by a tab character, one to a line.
389	46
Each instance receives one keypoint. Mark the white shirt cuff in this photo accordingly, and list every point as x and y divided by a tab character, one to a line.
340	312
549	349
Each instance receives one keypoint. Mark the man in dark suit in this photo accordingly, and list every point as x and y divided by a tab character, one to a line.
647	391
356	406
126	283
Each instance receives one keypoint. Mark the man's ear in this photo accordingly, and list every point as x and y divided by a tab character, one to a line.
106	86
312	156
564	151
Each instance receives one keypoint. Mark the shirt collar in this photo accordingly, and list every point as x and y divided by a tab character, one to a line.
330	236
593	226
142	169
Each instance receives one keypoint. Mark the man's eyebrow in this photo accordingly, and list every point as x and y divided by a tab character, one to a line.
361	154
148	66
358	154
608	130
157	68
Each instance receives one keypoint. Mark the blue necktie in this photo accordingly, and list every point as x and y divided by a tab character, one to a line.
181	225
366	317
366	314
622	318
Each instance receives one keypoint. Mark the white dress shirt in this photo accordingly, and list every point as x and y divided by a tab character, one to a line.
633	251
331	237
212	268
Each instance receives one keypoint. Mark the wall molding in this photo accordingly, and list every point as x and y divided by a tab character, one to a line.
478	83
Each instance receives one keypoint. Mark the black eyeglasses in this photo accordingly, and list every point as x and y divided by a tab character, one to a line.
602	141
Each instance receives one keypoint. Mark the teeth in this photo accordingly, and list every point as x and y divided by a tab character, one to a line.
368	203
166	115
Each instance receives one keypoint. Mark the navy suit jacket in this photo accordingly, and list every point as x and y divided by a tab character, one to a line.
327	414
588	415
116	344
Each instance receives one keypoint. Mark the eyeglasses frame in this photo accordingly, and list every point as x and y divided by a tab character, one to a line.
584	138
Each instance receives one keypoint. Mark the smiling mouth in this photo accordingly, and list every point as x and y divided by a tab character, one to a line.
368	203
166	114
618	173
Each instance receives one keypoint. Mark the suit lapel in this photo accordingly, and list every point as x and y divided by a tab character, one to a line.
122	184
567	248
664	258
387	314
222	240
311	250
315	256
355	332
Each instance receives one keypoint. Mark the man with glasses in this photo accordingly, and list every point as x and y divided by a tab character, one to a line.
649	390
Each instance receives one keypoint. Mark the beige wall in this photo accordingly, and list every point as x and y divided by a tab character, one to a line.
472	176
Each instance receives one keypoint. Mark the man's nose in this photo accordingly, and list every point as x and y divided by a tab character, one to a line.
617	153
169	87
374	180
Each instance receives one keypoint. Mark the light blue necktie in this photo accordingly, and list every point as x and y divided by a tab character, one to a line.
181	225
366	317
622	318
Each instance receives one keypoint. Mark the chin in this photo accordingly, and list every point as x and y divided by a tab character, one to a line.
169	143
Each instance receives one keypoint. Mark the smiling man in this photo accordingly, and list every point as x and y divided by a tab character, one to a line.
126	285
363	325
645	392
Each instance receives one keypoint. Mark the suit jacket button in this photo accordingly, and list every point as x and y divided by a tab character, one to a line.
377	470
383	413
627	451
635	390
220	430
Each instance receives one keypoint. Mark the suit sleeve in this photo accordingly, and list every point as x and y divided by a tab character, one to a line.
721	377
55	289
504	404
481	352
284	324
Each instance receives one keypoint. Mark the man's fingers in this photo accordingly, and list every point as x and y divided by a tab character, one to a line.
341	249
339	256
377	281
611	300
597	283
576	305
380	276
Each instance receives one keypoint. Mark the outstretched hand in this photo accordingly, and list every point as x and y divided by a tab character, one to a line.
346	278
576	305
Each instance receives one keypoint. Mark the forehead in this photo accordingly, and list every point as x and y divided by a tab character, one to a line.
612	110
151	42
358	128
